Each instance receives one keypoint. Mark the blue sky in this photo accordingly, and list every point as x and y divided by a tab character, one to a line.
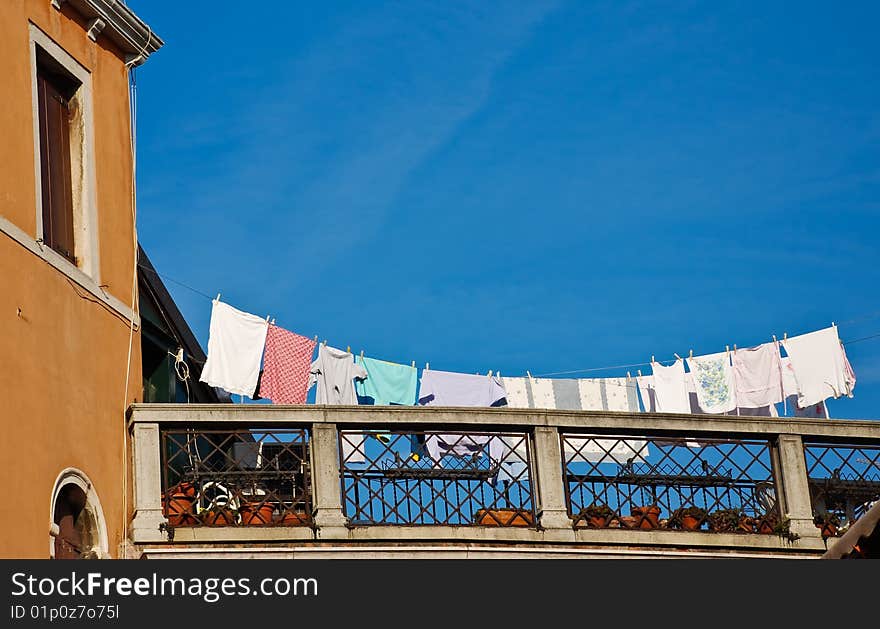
542	186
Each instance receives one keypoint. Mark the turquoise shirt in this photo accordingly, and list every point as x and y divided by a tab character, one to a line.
386	383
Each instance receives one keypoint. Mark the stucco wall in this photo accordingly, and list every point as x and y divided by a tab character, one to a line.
63	360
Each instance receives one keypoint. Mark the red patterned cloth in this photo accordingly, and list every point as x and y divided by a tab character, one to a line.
286	364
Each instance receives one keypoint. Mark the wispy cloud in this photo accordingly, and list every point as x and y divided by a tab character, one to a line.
400	83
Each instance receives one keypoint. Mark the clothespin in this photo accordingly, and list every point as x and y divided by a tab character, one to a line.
414	364
652	358
628	376
362	354
316	338
734	348
774	339
727	348
427	366
490	373
348	349
529	374
639	371
267	318
273	320
324	342
833	325
676	356
218	297
691	355
785	336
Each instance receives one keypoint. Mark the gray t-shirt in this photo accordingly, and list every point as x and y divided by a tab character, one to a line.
334	372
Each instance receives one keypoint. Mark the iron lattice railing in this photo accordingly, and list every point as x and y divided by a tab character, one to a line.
713	485
436	478
844	482
236	477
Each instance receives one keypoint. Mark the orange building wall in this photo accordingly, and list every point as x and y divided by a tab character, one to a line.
63	361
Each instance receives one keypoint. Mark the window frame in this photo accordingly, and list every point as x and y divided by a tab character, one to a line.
93	512
83	180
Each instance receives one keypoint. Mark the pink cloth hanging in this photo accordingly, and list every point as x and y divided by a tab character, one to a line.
286	364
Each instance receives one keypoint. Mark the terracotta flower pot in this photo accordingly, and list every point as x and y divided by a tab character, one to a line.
648	516
179	510
765	527
828	529
597	522
503	517
187	489
746	525
219	517
629	521
690	523
256	513
293	518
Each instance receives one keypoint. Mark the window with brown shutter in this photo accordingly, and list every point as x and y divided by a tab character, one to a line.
55	108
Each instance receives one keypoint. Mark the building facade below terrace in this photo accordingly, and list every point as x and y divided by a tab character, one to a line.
405	482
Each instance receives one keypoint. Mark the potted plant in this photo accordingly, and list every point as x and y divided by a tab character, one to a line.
218	515
185	488
629	522
827	522
746	524
293	517
647	516
725	520
783	529
504	517
178	503
766	523
687	518
256	513
597	516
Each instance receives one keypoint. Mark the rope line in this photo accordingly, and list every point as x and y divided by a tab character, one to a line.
872	315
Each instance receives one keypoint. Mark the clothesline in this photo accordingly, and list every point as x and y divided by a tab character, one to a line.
250	356
867	316
648	364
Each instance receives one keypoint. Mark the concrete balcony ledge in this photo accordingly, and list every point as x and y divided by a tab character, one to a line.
455	535
455	550
349	417
766	456
234	534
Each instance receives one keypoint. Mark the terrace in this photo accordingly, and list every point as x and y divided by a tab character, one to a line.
309	481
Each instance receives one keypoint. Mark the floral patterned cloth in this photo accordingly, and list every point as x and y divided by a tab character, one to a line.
714	382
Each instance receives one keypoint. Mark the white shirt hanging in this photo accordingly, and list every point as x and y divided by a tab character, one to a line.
819	366
235	347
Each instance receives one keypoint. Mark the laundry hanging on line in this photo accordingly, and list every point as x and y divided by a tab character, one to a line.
820	366
609	394
818	369
758	375
670	388
386	383
235	347
333	373
446	388
287	362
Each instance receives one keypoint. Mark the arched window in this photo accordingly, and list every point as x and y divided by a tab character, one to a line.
78	530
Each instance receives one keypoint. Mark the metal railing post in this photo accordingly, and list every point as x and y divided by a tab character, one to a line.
146	525
326	482
796	503
552	510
